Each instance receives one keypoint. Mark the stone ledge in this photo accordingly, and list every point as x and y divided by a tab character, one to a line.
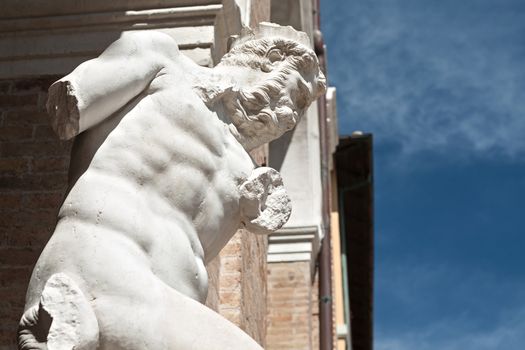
292	244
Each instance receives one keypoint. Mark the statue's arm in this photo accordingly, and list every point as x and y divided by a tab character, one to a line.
99	87
265	205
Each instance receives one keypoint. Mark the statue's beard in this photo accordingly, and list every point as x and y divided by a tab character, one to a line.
270	120
263	113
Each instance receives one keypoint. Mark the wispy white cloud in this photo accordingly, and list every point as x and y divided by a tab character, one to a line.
448	78
427	82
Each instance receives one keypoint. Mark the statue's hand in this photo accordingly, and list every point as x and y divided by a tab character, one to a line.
265	205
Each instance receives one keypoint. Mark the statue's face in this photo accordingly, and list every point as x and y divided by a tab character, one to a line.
267	118
298	93
276	103
288	80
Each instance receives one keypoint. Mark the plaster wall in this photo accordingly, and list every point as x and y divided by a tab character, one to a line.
296	156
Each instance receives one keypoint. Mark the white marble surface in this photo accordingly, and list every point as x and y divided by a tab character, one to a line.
160	181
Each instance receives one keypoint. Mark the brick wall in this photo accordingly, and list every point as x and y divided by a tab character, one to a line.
238	283
33	171
314	331
292	307
254	286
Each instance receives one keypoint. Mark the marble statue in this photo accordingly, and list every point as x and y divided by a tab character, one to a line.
160	180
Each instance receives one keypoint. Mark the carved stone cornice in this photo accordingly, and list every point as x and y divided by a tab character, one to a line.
53	39
291	244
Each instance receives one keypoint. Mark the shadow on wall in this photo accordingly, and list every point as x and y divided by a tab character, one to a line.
33	178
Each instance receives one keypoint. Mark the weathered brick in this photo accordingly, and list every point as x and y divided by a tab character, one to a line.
15	133
10	101
213	267
230	263
47	182
11	315
33	177
13	166
241	285
8	336
34	236
289	306
233	248
12	299
39	148
315	313
18	257
14	277
231	298
42	200
32	85
49	164
10	201
13	305
24	218
232	315
44	132
254	285
230	280
5	86
26	118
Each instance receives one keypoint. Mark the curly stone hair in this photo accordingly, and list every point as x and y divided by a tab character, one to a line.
263	53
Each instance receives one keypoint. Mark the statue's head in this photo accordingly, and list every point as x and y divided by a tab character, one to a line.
288	81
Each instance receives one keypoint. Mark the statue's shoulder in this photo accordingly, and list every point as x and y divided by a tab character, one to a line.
147	43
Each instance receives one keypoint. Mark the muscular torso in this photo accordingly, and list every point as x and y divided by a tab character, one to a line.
155	184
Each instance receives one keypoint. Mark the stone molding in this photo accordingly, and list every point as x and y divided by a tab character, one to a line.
292	244
34	42
131	19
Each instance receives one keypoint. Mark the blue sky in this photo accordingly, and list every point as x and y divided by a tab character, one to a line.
441	85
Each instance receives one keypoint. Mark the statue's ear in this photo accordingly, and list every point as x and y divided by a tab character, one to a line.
265	205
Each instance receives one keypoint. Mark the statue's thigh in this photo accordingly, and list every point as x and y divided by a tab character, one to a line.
169	321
